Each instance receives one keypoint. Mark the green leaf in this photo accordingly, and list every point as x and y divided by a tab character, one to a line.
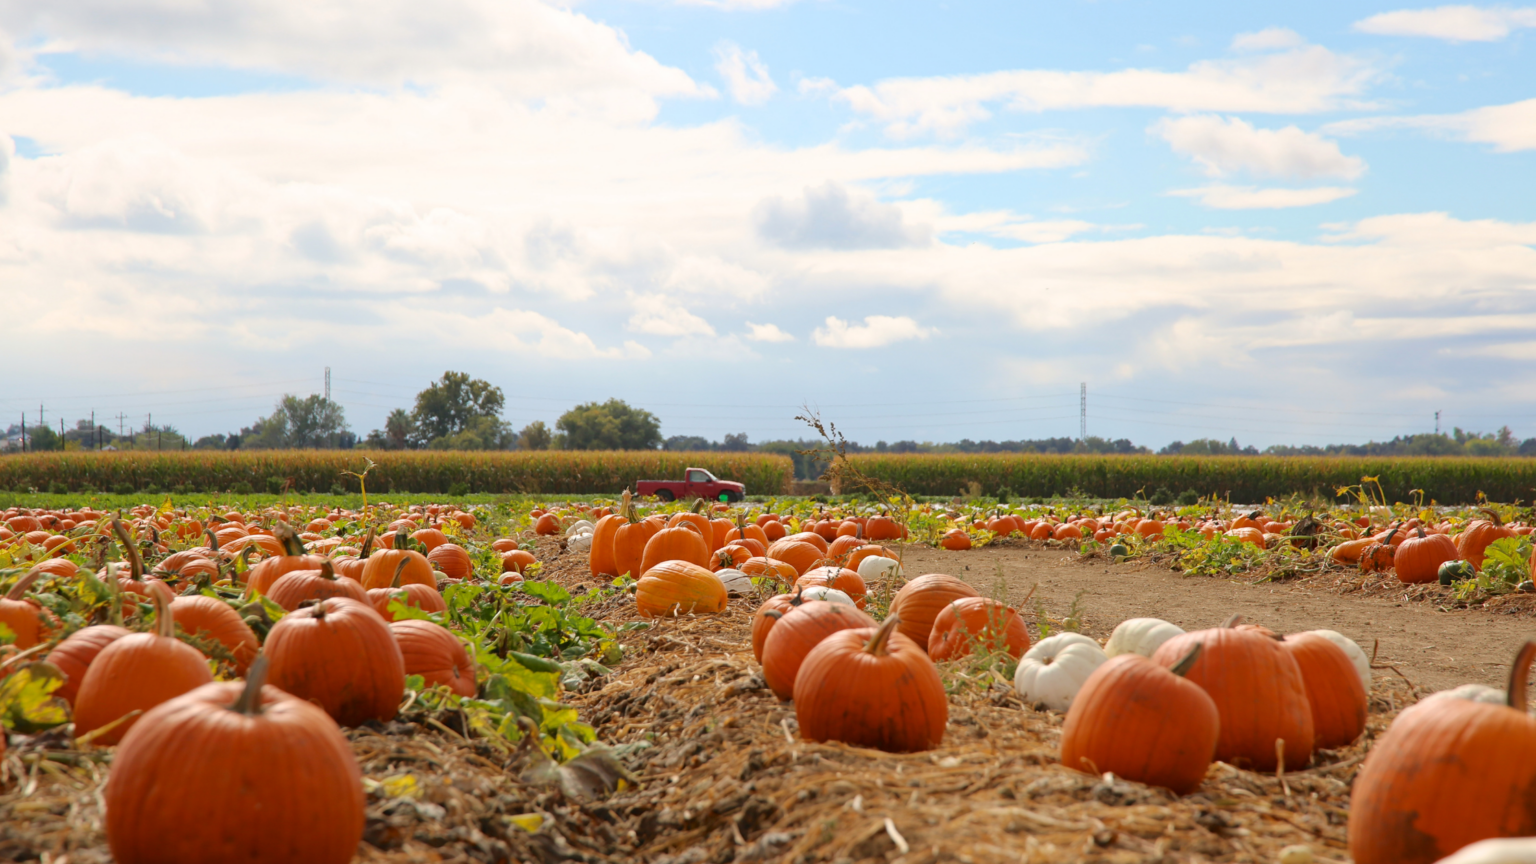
274	611
403	611
26	701
7	635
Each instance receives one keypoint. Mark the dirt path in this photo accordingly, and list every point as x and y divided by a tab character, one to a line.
1434	649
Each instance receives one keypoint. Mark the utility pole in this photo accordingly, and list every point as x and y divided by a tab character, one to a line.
1082	412
327	383
120	418
95	435
1437	422
23	431
40	419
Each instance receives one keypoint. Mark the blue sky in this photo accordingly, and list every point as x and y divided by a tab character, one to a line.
1288	223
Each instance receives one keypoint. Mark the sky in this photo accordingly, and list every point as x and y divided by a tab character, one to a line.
1288	223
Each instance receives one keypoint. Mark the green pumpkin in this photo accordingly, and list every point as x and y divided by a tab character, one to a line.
1118	551
1454	571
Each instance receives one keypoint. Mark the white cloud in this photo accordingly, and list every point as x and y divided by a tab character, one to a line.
1299	80
831	217
662	316
1229	145
767	333
876	331
514	330
522	48
1268	39
738	5
1250	198
745	74
1508	128
1452	23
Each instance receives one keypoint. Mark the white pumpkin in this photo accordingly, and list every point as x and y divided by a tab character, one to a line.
1513	850
1353	650
875	568
1052	671
736	582
579	542
580	526
1140	636
822	592
1472	693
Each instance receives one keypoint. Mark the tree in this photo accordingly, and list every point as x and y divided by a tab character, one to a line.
448	406
483	433
310	422
687	443
399	430
737	443
535	436
611	425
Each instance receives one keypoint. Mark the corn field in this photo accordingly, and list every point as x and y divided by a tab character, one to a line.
1446	480
543	472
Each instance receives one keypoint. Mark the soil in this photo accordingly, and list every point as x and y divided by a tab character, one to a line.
1436	647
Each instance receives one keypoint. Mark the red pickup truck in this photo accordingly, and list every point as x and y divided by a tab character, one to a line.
696	483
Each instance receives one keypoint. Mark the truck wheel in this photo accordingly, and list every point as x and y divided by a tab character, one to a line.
729	497
665	495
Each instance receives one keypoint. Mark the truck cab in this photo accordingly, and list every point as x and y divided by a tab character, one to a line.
696	483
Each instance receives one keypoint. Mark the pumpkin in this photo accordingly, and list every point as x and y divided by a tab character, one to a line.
422	597
831	595
1381	555
433	652
921	600
259	579
1447	773
857	557
297	587
871	688
517	561
682	543
340	655
842	579
1258	690
1501	851
200	615
796	633
352	567
546	525
408	565
1479	535
1140	636
882	528
24	617
1137	720
972	621
796	553
1055	669
877	568
843	547
1419	558
243	746
766	616
1353	651
679	588
135	673
74	655
1334	689
770	568
629	542
452	560
955	540
811	538
1473	693
601	561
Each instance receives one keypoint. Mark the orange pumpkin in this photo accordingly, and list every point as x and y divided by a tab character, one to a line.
340	655
629	542
136	673
1140	721
301	586
920	601
433	652
972	621
1334	689
74	655
682	543
1419	558
407	565
871	688
198	614
260	578
24	617
600	562
767	615
796	633
797	554
1258	691
847	581
955	540
1447	773
452	560
1479	535
679	588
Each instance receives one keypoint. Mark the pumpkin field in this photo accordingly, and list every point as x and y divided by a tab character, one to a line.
796	680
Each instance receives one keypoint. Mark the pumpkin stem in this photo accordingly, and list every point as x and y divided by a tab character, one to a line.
1233	621
165	621
367	544
402	540
399	568
249	702
1421	532
1493	514
326	570
130	550
285	535
1182	667
213	542
877	642
20	588
1519	671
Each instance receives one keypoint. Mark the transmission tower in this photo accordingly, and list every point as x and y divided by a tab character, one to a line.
1082	412
327	383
